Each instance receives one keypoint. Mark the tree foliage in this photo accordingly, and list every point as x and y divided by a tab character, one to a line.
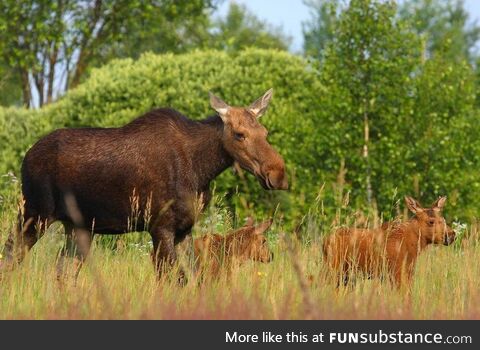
240	29
179	28
58	42
236	31
49	45
382	95
319	30
445	26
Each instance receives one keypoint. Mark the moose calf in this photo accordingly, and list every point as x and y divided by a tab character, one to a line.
247	243
393	248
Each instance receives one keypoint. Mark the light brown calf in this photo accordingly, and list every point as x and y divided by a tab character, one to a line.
393	248
214	251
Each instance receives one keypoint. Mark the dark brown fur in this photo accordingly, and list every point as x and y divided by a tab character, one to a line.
394	247
152	174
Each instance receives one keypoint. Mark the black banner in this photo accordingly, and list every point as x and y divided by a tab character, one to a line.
240	334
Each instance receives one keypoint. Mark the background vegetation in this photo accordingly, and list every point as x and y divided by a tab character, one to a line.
382	102
380	110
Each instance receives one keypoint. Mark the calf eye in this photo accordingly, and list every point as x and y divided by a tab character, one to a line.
239	136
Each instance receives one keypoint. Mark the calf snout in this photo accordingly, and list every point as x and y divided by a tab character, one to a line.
449	237
265	257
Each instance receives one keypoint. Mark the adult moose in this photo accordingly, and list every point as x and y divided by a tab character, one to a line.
152	171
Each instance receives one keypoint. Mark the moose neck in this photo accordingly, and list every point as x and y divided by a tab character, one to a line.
413	229
209	155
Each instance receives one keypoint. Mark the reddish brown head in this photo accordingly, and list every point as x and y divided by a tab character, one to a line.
245	139
250	243
431	223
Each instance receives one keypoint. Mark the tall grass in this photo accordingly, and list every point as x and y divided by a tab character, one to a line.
118	281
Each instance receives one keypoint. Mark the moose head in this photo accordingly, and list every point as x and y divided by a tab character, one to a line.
431	223
250	243
245	139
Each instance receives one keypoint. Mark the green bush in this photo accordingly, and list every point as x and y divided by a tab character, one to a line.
311	121
18	130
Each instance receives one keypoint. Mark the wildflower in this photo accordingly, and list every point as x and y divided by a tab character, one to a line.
261	274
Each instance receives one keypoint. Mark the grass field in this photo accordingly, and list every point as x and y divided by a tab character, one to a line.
118	282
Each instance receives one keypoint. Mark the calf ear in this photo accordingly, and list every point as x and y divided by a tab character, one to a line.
413	205
439	203
261	228
220	106
259	107
249	221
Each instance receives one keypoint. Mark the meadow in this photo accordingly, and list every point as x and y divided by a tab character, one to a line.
118	280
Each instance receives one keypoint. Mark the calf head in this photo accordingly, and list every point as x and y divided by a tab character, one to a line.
251	244
245	139
431	223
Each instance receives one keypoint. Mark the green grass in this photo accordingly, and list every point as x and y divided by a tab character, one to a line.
120	283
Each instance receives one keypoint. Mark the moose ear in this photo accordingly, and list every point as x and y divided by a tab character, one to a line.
219	105
261	228
413	205
439	203
259	107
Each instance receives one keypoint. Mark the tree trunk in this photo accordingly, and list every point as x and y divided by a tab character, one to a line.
79	71
90	42
368	184
51	75
39	84
27	94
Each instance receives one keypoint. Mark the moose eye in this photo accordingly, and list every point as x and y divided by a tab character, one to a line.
239	136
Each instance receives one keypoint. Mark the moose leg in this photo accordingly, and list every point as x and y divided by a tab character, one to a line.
404	279
401	274
164	255
76	248
21	240
345	279
343	276
398	276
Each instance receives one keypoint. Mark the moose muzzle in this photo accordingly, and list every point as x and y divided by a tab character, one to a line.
277	180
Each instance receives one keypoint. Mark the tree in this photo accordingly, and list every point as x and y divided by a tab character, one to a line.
365	69
392	118
234	32
318	31
182	28
445	26
50	44
241	29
